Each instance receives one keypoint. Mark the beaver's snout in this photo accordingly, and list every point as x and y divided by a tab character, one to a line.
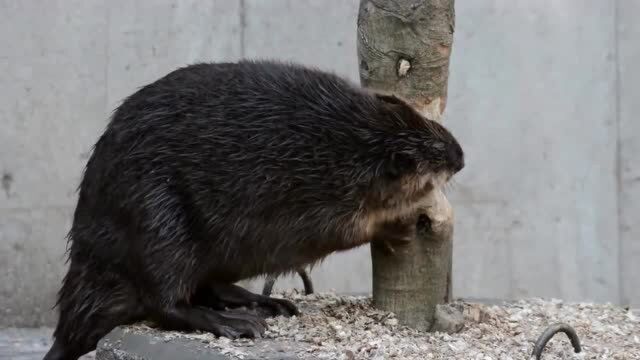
455	157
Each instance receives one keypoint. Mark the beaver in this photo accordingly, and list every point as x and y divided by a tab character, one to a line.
219	172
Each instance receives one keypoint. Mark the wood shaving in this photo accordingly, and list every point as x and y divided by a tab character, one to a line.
347	327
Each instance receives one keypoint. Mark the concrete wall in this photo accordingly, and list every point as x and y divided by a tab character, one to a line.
628	75
542	96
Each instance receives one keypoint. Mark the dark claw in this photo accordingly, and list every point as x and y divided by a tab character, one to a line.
549	333
231	324
225	331
269	307
242	324
243	315
235	297
285	307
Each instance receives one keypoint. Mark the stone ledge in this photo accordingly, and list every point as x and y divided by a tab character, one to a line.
132	343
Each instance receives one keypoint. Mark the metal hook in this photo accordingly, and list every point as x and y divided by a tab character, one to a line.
549	333
304	275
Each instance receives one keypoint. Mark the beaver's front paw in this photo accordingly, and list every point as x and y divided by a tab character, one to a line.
395	234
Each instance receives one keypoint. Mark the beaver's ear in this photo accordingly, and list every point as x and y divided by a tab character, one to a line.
390	99
398	164
402	110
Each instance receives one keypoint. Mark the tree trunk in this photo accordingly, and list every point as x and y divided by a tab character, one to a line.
404	48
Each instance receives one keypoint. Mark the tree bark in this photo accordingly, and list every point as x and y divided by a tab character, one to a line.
404	48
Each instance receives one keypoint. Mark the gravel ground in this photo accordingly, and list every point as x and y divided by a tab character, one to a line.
334	327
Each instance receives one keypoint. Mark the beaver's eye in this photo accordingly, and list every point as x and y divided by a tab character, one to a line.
400	164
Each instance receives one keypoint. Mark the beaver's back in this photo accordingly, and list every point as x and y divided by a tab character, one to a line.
257	156
255	128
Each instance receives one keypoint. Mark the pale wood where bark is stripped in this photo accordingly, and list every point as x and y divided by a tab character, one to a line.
404	48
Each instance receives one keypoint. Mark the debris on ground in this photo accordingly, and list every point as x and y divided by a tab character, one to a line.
347	327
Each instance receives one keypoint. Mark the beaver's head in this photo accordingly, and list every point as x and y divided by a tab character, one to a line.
419	152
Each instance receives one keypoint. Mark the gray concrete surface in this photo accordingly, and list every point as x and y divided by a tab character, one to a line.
533	98
27	344
628	54
24	344
542	96
129	344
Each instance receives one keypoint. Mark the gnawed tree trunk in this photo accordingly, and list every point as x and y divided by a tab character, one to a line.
404	48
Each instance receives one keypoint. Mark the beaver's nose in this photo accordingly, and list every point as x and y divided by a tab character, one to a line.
455	157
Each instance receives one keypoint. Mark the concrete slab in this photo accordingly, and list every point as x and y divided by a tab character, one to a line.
135	344
27	344
24	344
